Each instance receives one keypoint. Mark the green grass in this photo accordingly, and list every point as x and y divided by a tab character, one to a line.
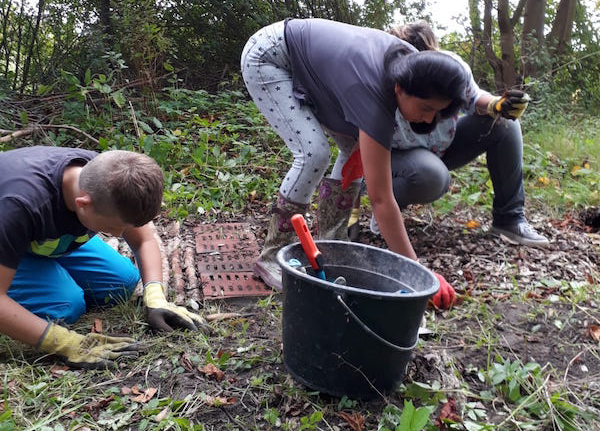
218	154
561	170
497	388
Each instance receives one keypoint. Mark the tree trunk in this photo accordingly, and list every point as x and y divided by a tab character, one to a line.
532	41
20	20
103	7
560	35
488	45
517	14
507	41
5	44
475	21
34	34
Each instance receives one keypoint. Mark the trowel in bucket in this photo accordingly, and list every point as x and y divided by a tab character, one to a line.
308	245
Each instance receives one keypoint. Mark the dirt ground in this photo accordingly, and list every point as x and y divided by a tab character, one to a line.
484	269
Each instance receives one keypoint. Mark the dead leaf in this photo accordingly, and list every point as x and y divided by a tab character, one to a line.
473	224
186	363
210	370
593	331
94	408
500	296
97	326
163	413
220	353
468	275
125	390
296	409
355	420
448	413
58	370
145	396
219	401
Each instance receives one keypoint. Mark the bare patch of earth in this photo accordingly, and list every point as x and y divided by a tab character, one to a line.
488	274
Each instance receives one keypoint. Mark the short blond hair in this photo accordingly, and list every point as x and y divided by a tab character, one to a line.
125	184
418	34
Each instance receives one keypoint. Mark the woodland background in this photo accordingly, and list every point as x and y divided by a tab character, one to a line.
520	352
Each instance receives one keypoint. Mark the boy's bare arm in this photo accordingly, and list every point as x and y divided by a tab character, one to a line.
16	321
147	252
161	314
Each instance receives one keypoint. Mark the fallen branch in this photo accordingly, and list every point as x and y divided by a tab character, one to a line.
29	130
222	316
15	134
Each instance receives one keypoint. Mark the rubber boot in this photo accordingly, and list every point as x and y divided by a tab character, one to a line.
354	221
280	233
334	208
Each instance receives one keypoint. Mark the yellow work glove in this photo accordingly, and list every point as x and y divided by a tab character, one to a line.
165	316
510	105
86	351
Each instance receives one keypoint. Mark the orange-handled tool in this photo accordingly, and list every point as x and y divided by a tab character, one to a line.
310	248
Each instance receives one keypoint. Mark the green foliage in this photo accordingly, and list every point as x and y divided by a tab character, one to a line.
521	386
515	380
407	419
311	422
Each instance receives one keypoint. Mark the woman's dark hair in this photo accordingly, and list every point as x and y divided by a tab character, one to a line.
418	34
427	75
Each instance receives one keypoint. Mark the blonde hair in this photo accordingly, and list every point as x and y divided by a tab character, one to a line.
124	184
418	34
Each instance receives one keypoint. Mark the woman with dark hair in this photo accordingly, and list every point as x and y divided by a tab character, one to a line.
423	157
314	78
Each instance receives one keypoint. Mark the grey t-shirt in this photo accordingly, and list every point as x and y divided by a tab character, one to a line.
337	70
34	215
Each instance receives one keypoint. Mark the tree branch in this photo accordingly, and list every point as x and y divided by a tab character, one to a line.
13	134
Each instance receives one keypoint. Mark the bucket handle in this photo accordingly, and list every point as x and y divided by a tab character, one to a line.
373	333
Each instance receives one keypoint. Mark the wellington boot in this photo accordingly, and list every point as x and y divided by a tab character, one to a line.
280	233
354	220
334	208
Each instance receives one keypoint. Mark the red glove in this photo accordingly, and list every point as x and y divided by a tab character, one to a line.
352	169
445	297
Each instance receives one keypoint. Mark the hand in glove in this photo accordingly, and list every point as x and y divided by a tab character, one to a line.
165	316
510	105
445	296
86	351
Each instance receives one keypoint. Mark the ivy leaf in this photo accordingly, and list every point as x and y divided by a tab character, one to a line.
145	127
118	98
413	419
88	77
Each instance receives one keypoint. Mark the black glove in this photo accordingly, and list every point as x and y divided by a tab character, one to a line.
510	105
163	315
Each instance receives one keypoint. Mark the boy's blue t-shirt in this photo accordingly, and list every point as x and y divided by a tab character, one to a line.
34	217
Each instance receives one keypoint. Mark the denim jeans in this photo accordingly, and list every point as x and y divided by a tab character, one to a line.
419	176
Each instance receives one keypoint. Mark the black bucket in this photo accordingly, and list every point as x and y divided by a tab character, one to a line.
352	340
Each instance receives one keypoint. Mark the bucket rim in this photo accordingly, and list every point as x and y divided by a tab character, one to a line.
338	288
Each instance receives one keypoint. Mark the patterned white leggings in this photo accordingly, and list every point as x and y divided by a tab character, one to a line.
267	73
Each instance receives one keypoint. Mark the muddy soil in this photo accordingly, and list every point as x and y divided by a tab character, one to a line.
542	328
